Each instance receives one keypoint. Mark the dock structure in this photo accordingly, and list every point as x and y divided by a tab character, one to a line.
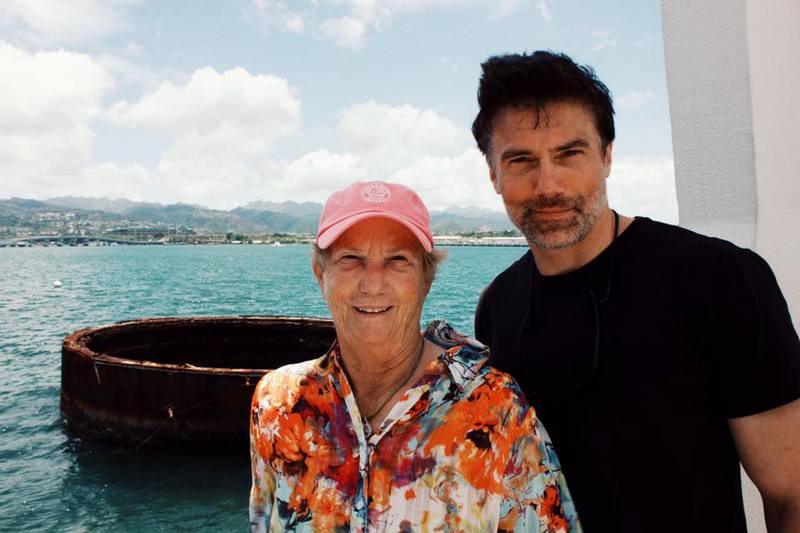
460	240
70	240
97	240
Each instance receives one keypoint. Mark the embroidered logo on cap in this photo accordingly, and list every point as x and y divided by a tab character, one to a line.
375	192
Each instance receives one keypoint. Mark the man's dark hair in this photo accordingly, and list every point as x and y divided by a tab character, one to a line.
532	81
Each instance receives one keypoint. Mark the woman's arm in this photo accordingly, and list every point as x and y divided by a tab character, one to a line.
263	476
538	499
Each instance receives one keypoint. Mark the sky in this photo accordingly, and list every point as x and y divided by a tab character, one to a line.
223	103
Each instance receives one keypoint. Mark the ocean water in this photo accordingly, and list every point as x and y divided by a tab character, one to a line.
51	481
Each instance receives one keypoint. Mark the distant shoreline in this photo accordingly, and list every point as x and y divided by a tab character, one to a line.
102	242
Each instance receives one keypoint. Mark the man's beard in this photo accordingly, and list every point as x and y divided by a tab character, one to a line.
556	234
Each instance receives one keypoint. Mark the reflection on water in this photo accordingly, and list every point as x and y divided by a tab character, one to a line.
124	489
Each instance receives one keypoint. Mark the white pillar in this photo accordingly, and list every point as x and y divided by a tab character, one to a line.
709	95
733	78
773	36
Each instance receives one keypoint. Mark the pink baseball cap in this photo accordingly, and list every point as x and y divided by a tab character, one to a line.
368	199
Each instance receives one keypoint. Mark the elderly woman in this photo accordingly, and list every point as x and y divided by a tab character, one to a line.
391	429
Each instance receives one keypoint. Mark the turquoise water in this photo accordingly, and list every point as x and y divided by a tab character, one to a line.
50	481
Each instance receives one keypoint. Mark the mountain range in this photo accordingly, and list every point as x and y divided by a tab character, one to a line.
252	218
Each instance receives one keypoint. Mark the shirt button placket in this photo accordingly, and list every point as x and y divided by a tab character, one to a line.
362	504
367	474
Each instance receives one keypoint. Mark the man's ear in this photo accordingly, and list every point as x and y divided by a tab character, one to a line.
607	159
493	178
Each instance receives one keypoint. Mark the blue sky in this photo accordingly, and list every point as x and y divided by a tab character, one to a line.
221	103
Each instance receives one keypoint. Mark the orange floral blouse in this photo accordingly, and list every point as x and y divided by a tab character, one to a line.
460	451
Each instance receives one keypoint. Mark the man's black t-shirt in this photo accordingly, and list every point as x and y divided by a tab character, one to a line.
689	331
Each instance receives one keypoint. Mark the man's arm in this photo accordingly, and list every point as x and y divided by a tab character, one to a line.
769	449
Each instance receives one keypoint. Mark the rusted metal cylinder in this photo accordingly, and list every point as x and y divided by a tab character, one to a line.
178	380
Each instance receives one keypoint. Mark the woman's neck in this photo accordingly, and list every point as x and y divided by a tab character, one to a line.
380	375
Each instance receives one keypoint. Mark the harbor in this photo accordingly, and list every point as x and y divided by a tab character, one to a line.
98	240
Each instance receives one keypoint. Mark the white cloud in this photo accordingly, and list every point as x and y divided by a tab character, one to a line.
221	126
346	23
47	103
634	100
459	180
403	144
344	31
278	14
294	23
388	137
319	170
311	177
64	21
641	186
606	39
261	105
132	182
126	71
544	11
217	129
442	181
133	48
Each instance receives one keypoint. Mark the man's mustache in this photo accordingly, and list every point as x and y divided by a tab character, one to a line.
558	201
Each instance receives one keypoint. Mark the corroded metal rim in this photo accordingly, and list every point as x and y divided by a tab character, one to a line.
78	341
115	384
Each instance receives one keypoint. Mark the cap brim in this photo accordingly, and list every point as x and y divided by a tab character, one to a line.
329	235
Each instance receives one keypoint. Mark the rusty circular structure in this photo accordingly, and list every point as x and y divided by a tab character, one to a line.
184	381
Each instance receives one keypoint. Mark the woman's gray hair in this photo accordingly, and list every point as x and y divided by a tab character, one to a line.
430	260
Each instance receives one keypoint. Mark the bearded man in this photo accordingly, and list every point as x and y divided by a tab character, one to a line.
658	359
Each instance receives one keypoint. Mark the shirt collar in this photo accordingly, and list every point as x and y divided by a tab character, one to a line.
331	365
463	357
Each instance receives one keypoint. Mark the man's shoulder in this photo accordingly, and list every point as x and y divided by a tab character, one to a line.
705	266
678	235
665	241
514	277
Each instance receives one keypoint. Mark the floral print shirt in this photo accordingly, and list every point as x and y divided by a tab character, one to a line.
460	451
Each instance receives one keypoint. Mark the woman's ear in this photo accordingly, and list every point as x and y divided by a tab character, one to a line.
315	266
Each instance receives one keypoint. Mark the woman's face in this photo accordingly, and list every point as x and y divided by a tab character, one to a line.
373	283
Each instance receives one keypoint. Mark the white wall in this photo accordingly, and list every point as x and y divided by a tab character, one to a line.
709	95
773	37
733	73
734	86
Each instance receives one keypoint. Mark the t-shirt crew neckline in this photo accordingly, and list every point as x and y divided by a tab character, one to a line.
599	260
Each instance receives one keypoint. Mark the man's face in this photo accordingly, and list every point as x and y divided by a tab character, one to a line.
550	172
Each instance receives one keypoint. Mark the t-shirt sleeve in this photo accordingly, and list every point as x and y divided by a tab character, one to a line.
754	347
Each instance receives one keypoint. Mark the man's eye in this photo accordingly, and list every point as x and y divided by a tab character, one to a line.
569	153
520	165
399	259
